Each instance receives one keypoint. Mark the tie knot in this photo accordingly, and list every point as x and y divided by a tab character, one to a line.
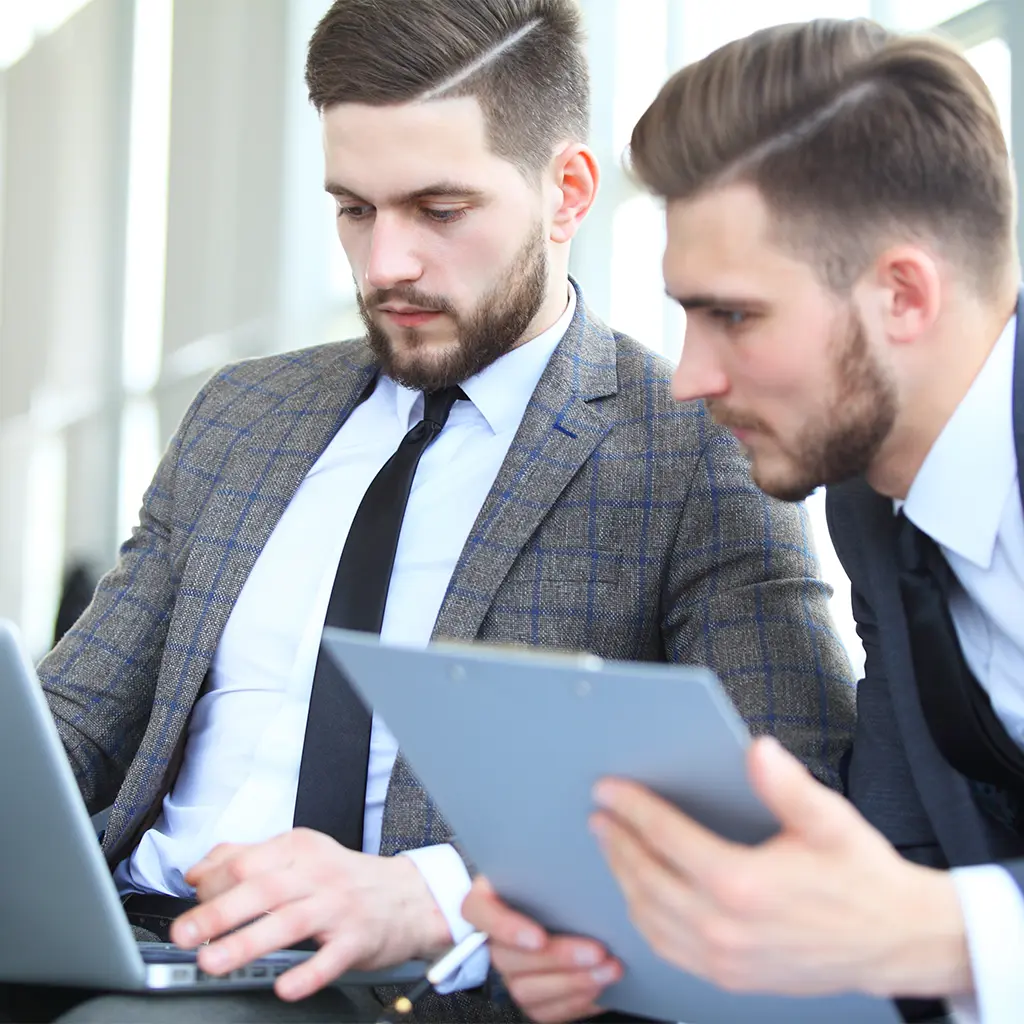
438	404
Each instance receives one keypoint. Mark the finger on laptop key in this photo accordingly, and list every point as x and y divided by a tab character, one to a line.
218	855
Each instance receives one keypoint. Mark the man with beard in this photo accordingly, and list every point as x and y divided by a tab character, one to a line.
491	462
841	235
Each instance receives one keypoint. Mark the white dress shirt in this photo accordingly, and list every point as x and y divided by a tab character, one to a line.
239	776
966	497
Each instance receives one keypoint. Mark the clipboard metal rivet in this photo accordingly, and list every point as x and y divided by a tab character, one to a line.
582	687
458	673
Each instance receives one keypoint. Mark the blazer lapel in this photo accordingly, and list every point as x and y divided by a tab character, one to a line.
559	431
281	443
944	793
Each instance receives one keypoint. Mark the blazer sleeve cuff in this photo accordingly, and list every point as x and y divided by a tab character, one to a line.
449	883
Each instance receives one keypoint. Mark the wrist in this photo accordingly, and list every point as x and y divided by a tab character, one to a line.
429	932
931	957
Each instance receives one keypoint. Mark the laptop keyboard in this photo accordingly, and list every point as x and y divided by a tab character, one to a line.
181	967
165	953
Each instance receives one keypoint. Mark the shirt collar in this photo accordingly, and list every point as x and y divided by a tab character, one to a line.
502	390
959	493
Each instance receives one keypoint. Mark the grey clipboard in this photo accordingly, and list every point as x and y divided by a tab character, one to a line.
509	743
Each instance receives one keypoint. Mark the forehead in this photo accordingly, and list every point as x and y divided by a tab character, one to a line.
403	147
722	243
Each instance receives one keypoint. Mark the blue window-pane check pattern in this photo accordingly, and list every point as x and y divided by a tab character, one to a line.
620	523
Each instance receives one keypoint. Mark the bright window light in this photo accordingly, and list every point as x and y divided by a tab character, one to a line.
640	64
43	540
22	22
638	240
146	238
705	27
140	453
917	15
992	61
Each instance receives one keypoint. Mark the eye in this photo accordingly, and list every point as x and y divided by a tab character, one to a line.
730	318
354	211
443	216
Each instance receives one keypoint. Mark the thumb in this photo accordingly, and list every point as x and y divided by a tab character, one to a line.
483	909
483	885
218	855
802	805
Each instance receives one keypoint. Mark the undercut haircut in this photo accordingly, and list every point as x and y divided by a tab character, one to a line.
523	60
855	137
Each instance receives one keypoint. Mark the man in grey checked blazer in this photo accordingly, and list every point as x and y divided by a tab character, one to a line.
618	522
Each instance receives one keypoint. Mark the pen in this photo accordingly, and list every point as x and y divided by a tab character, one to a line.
440	970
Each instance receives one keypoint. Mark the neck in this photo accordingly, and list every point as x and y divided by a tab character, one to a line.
551	309
945	364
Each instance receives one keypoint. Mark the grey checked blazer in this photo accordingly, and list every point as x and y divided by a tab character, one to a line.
620	523
898	778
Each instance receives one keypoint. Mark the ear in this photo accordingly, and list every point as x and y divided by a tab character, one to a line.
574	179
909	285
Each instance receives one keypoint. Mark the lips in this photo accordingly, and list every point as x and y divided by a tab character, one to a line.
410	317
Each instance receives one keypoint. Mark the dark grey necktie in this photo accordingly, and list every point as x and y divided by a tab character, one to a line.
956	707
331	794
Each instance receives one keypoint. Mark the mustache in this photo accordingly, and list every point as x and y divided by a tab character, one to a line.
729	419
407	297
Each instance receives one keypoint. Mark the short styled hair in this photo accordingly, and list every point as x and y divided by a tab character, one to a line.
854	136
523	60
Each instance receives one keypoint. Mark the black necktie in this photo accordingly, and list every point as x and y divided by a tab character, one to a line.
331	794
958	710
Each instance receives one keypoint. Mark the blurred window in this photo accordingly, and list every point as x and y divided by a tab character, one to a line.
22	22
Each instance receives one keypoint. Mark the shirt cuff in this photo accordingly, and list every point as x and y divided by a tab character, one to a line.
993	909
449	883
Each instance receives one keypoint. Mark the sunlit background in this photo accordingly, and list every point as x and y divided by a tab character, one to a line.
162	213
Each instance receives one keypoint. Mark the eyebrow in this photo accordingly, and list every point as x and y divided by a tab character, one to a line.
705	300
438	190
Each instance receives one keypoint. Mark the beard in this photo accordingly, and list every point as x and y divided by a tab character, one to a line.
842	439
491	330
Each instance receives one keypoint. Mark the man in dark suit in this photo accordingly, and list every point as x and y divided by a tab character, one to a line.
841	235
490	462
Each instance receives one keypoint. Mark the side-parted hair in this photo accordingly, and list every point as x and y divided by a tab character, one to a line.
523	60
854	136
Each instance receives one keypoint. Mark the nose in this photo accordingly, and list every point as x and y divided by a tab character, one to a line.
392	260
699	373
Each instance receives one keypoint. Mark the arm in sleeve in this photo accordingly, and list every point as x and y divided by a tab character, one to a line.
100	679
743	596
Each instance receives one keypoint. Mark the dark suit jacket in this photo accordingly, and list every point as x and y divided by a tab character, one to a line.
620	523
898	778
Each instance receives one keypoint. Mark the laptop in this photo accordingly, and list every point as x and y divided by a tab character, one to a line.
61	921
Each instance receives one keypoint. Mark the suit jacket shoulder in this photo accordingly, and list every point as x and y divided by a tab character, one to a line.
250	388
